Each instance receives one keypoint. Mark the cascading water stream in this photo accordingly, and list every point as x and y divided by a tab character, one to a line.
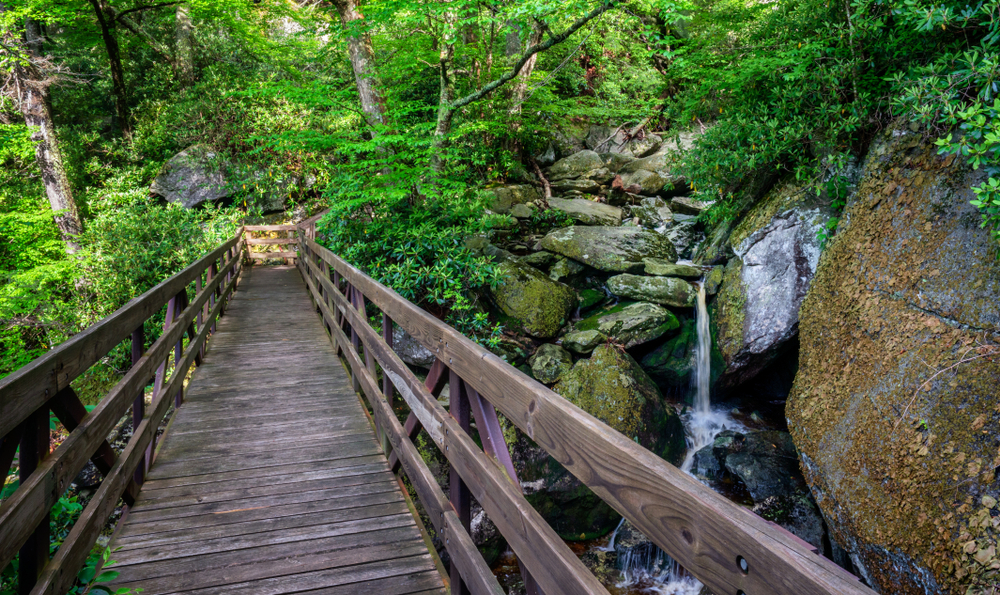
653	568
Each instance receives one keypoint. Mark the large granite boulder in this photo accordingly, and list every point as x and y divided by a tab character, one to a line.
777	248
611	139
612	387
653	212
194	176
648	183
583	165
538	304
894	407
669	291
613	249
587	212
630	324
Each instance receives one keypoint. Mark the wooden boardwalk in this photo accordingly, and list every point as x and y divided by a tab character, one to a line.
269	479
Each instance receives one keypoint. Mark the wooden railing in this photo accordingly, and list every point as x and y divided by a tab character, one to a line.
727	547
27	396
290	239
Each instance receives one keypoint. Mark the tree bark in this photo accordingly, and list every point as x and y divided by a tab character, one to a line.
107	24
359	48
445	112
35	105
521	86
184	36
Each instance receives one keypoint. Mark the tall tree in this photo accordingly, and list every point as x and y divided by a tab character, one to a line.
359	48
184	36
106	20
31	91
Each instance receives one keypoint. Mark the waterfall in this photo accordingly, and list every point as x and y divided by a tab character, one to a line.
702	423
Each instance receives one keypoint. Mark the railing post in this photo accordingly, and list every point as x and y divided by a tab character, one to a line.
210	303
354	340
459	494
179	304
34	553
139	405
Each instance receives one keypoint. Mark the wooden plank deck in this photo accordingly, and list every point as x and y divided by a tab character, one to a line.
270	479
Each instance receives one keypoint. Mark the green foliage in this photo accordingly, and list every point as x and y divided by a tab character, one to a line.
800	86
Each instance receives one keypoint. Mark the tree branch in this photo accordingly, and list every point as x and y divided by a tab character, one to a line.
151	41
531	51
147	7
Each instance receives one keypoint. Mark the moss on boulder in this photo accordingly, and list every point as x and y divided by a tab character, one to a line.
669	291
612	387
612	249
902	459
538	304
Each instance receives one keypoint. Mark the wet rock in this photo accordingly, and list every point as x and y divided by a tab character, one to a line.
775	259
649	183
683	235
502	199
614	249
590	298
583	342
653	212
612	387
669	291
766	463
588	212
579	187
194	176
540	260
665	268
538	304
902	462
89	477
673	364
713	280
689	206
585	165
637	323
715	249
550	363
798	514
410	350
564	269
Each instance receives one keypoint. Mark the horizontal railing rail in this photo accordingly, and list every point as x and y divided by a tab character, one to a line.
727	547
264	254
27	396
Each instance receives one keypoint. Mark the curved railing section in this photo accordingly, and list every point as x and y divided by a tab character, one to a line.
27	396
731	550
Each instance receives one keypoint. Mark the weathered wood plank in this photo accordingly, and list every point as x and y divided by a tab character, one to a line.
270	227
269	255
271	241
700	529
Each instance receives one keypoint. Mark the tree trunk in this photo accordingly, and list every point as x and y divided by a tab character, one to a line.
184	55
359	48
445	112
33	96
521	86
117	72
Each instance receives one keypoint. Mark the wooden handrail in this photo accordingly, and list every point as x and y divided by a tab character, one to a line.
288	254
727	547
26	396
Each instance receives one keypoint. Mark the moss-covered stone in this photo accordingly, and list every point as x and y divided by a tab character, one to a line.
564	269
583	342
673	364
550	363
613	249
895	424
637	324
587	212
713	280
539	304
500	200
664	268
613	387
669	291
590	298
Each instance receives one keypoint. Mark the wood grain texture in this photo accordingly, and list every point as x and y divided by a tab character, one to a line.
270	479
700	529
268	255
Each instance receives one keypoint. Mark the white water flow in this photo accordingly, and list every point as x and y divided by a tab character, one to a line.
650	568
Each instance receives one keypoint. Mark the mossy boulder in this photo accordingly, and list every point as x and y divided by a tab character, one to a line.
777	247
587	212
896	425
669	291
612	387
583	165
612	249
673	364
664	268
652	212
550	363
194	176
637	323
583	342
648	183
501	199
538	304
